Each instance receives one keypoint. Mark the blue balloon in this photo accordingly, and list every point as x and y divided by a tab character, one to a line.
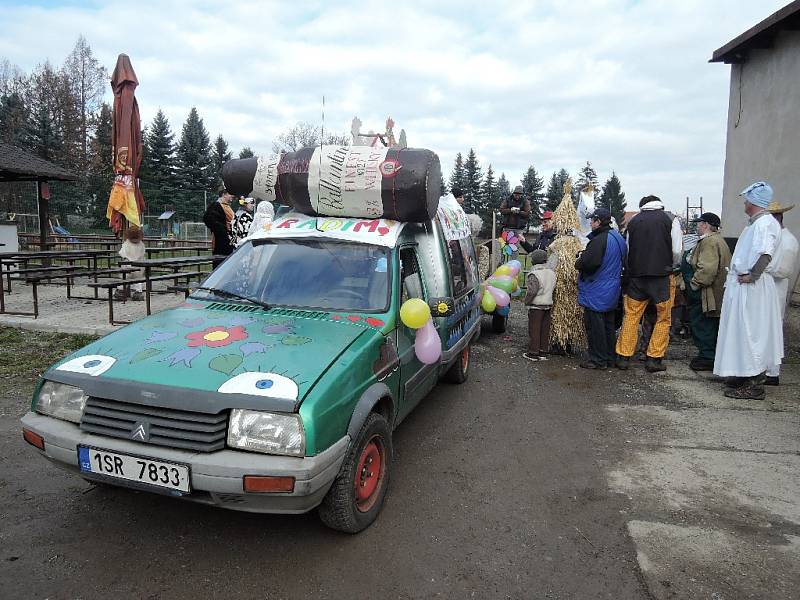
503	310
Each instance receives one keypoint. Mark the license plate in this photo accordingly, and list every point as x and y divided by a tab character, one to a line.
170	476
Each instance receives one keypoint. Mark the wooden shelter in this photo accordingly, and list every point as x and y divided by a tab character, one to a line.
17	164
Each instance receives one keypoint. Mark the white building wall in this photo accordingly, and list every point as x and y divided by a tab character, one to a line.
764	130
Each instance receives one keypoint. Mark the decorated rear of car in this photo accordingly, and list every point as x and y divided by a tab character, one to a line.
275	387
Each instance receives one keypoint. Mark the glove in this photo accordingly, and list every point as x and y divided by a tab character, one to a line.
514	209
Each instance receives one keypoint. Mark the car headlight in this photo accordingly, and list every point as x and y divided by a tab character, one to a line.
270	433
61	401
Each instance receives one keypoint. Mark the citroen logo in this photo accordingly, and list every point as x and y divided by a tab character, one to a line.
140	432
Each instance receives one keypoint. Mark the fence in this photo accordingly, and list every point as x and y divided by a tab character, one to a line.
80	207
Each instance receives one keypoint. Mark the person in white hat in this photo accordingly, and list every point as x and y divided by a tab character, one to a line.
784	268
751	328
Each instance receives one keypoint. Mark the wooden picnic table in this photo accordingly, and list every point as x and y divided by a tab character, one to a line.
173	263
89	255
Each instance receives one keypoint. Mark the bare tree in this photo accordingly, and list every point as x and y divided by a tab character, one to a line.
88	81
304	135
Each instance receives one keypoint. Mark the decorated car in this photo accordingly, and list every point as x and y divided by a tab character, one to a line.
276	386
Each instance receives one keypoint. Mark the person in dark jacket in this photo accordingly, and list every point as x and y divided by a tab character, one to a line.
515	210
546	237
218	221
654	250
599	285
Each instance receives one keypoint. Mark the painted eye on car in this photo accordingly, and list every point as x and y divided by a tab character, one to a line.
261	384
94	364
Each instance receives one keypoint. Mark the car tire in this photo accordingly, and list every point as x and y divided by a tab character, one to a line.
357	494
499	323
459	371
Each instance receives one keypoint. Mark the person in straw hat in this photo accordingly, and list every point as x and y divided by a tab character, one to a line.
784	268
750	329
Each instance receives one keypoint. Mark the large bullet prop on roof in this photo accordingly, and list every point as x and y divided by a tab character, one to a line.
346	181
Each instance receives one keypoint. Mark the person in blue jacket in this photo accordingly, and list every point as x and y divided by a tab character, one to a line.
599	286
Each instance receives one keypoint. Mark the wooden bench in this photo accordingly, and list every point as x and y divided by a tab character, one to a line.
112	285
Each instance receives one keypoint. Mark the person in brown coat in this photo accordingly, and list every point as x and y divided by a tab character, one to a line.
705	270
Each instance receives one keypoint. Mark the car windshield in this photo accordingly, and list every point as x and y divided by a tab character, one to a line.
304	273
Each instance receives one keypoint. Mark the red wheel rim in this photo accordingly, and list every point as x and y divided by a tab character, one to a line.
369	474
465	360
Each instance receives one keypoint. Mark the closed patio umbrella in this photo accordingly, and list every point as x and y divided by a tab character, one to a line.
126	201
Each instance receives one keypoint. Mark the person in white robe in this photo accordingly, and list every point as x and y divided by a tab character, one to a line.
784	268
262	220
751	329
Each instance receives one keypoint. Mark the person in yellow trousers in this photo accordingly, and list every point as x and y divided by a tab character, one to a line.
655	242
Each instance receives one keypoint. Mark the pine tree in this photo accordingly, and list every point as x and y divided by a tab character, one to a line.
195	169
88	81
44	133
442	186
220	155
246	152
587	176
13	119
473	202
101	172
532	186
613	198
457	175
555	189
159	161
488	195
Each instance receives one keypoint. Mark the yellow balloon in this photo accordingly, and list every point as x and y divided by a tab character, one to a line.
415	313
488	303
503	270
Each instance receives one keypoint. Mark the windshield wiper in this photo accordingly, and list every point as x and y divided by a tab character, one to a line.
227	294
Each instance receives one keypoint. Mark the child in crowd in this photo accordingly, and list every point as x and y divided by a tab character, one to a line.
132	249
540	281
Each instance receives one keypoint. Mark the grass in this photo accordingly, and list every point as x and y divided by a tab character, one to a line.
27	354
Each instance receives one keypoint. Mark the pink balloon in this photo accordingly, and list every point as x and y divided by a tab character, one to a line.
501	297
428	344
514	269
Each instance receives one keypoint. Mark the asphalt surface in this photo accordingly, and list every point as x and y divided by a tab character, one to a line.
498	490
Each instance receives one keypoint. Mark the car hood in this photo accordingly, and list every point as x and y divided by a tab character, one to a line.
223	353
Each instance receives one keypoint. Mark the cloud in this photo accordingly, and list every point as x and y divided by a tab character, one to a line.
622	83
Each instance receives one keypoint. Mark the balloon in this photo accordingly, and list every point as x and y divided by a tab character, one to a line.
502	282
502	242
488	303
428	344
516	293
503	311
414	313
500	297
515	267
502	270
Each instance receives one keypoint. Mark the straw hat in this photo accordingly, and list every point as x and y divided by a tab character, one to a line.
776	208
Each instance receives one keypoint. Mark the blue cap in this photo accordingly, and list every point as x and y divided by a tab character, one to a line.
758	193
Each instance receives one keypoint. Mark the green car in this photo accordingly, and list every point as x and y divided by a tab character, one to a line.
276	386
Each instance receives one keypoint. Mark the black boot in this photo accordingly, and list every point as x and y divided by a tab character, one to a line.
701	364
654	365
623	362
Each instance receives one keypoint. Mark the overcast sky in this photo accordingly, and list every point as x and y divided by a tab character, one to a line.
624	84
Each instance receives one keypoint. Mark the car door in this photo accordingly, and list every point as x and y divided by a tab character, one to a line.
417	378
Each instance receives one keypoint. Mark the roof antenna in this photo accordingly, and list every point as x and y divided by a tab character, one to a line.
321	144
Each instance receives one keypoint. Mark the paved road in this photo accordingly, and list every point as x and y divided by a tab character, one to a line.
498	491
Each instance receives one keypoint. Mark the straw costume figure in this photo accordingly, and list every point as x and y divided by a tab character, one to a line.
566	333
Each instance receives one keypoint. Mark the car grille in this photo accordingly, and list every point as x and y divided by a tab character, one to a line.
183	429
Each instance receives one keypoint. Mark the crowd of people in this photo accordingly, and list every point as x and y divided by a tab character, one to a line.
627	286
